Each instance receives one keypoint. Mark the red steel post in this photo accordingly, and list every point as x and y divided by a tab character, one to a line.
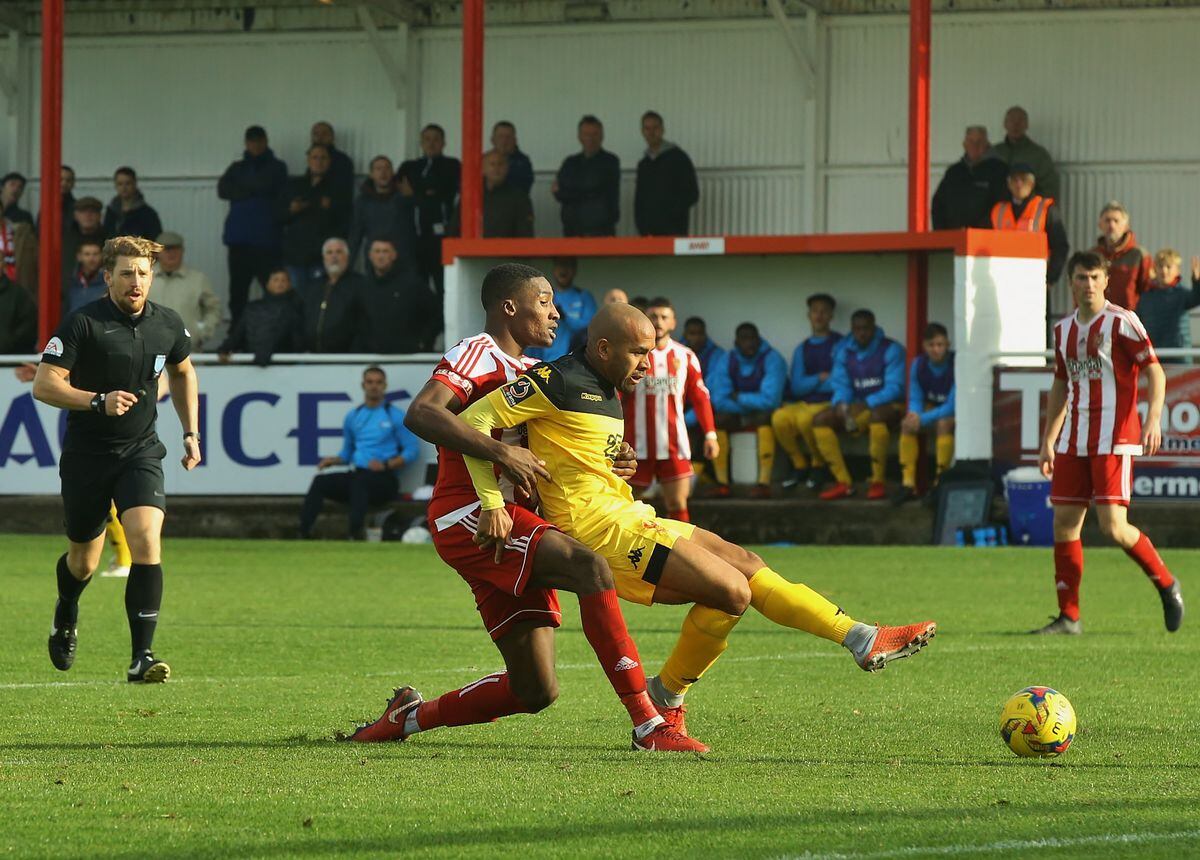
49	255
472	119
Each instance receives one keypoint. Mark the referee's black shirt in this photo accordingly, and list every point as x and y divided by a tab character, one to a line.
107	351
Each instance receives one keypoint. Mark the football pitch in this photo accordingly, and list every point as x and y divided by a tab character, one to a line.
275	646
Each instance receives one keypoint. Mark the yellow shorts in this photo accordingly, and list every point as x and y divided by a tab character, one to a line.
636	542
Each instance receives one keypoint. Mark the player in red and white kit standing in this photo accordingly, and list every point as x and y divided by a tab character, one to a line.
514	585
1092	434
654	419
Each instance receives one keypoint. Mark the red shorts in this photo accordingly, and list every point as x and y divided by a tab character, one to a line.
1106	479
665	471
500	589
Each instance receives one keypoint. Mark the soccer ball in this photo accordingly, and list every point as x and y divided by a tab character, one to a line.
1038	722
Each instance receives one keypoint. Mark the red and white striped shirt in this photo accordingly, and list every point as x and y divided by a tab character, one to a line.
654	424
1099	361
472	369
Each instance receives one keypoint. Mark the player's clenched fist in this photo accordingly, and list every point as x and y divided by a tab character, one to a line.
494	528
118	402
1046	460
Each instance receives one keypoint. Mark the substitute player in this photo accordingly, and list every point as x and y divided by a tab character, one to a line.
1093	433
572	411
103	364
930	407
514	582
654	415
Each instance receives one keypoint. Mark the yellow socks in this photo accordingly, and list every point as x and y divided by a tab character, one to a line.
787	431
766	454
909	451
792	604
831	451
701	641
945	451
879	450
116	539
721	464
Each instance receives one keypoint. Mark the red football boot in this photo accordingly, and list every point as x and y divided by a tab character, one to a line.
892	643
666	739
876	492
390	726
676	718
837	491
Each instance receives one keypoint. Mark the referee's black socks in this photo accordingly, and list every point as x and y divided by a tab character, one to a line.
66	611
143	597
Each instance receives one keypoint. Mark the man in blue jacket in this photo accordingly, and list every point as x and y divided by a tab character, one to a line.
695	337
746	388
376	446
930	407
868	394
576	307
251	184
811	390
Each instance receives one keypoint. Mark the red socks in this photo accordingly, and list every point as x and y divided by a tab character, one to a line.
1144	553
682	516
604	627
1068	571
487	699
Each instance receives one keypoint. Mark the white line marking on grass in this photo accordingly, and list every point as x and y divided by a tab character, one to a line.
1006	846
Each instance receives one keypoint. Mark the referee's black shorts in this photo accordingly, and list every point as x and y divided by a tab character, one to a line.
90	482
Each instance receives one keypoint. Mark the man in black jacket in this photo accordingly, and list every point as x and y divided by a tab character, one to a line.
341	171
381	210
309	213
332	304
432	181
128	214
268	325
252	185
589	185
394	303
18	318
507	210
666	184
87	224
971	186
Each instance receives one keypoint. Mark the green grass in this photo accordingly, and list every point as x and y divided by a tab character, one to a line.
277	645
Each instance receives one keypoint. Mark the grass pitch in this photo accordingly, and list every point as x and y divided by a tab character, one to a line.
277	645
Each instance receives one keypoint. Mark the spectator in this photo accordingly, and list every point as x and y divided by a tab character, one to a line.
507	210
1019	148
746	389
87	223
67	185
12	187
868	394
615	296
84	282
971	186
376	446
128	214
332	308
394	303
268	325
589	185
520	168
1129	266
18	318
253	185
811	390
666	184
381	211
711	356
186	291
576	307
341	173
640	302
1164	308
308	212
930	407
432	181
19	254
1027	211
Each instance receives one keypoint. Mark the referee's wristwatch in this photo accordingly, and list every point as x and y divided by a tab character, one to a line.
98	402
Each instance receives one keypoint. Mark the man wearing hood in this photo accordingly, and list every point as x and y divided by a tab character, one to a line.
1128	264
128	214
252	185
746	388
666	184
868	394
332	304
381	211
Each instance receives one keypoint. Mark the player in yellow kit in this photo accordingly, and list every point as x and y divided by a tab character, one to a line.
571	408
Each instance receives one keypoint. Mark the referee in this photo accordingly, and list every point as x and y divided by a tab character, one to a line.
103	365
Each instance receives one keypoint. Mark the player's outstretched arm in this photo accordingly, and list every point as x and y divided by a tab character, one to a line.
1056	413
1152	428
431	415
185	395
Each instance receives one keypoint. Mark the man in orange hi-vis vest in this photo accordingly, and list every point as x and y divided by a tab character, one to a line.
1033	213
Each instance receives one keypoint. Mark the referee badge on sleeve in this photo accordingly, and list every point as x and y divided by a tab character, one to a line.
54	347
160	361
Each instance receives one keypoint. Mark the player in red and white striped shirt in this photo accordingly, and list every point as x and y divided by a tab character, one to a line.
654	424
1093	432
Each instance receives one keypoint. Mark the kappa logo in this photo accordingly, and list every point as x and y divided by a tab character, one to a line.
635	557
544	372
587	395
625	664
517	390
54	347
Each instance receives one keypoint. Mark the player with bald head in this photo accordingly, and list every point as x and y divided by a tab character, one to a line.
571	409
